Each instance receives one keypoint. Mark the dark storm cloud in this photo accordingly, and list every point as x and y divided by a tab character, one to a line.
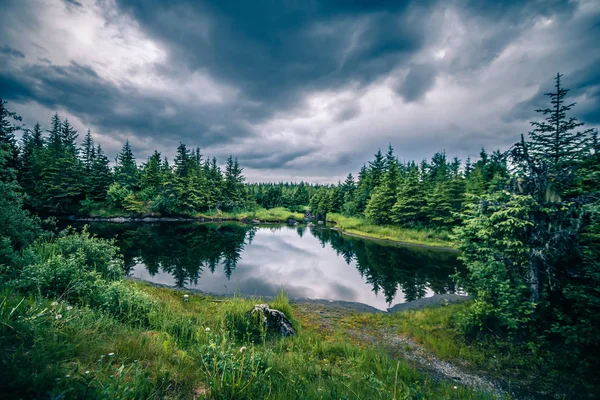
583	84
279	50
98	102
417	82
9	51
278	56
73	3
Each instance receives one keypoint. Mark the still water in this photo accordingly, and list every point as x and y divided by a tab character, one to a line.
315	263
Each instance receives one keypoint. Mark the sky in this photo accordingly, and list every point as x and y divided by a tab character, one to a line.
298	89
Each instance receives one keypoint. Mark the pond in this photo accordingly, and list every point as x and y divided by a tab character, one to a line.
305	262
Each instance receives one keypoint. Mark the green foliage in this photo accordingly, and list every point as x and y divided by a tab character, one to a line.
125	302
531	248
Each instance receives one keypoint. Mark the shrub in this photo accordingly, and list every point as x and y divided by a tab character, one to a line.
124	302
100	255
60	277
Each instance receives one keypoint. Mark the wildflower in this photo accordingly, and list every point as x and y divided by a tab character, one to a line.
58	316
68	376
455	387
207	329
54	303
69	308
87	372
186	298
111	354
242	349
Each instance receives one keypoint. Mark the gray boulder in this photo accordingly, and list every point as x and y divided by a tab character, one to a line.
272	320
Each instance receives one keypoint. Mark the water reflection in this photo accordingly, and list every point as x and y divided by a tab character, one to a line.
305	262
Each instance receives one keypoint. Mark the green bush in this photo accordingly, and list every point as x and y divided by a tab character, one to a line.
124	302
60	277
100	255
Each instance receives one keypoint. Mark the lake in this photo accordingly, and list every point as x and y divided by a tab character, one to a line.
305	262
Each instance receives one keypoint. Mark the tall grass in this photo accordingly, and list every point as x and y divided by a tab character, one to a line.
189	349
361	227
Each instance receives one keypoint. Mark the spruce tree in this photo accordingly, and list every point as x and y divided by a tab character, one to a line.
555	142
7	136
384	197
377	168
126	170
101	176
410	207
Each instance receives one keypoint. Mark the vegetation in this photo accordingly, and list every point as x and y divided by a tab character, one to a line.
362	227
441	331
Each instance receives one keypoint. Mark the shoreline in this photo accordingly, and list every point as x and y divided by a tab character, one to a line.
397	242
433	301
123	220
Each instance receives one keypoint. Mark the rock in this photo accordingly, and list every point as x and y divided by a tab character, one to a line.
256	221
320	222
310	224
292	221
272	320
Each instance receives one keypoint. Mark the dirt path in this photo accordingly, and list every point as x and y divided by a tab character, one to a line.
327	318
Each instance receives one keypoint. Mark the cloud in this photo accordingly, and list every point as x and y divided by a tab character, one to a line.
305	90
11	52
418	81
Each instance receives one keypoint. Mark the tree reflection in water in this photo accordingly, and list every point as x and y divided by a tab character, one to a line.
186	250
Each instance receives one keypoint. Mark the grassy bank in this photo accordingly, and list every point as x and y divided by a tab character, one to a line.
278	214
202	348
360	227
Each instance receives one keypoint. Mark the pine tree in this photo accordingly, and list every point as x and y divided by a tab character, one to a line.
126	171
101	176
384	197
62	181
554	141
88	151
32	165
377	168
410	207
7	137
234	192
151	177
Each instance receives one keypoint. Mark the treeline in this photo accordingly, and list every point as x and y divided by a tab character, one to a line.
428	194
60	177
294	196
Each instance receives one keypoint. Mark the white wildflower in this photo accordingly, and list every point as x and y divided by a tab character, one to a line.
69	308
242	349
54	303
207	329
455	387
111	354
87	372
68	376
58	316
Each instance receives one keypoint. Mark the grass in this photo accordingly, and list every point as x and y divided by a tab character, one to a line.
360	227
437	330
277	214
187	350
